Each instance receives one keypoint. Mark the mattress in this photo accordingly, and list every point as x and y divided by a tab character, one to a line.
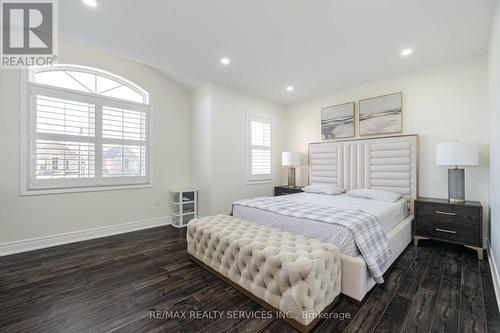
389	215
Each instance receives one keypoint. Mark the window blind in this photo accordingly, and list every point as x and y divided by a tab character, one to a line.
81	136
123	124
64	146
260	148
126	155
261	162
62	116
64	159
123	160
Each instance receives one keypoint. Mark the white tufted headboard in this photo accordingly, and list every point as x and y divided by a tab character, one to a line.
388	163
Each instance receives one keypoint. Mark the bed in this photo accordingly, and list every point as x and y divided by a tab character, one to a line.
389	164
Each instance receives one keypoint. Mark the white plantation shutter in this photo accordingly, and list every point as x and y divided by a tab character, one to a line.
63	139
259	148
124	142
81	138
64	159
123	124
64	116
64	145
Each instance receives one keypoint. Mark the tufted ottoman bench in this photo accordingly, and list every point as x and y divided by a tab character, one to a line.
296	277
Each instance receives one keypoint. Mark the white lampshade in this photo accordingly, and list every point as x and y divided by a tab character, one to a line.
457	153
290	158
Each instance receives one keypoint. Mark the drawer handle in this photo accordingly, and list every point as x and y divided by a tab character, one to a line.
447	231
444	213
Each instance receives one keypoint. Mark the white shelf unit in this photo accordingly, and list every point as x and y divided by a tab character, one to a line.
184	206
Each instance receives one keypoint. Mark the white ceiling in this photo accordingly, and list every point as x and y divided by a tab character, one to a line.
315	45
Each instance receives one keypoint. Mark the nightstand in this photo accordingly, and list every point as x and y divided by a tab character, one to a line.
282	190
458	223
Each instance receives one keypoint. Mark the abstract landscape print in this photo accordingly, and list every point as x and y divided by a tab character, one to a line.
380	115
337	121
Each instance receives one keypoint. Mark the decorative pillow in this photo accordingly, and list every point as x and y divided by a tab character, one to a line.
323	189
375	195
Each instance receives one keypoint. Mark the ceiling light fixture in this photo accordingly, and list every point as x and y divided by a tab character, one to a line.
91	3
406	52
225	61
289	88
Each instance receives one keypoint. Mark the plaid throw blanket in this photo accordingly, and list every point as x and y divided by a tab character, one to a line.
368	234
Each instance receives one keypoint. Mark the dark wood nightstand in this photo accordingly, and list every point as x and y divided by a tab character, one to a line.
282	190
458	223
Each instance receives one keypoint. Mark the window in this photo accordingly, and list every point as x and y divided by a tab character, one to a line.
55	163
88	128
260	153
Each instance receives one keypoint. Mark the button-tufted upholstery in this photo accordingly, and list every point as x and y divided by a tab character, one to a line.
297	275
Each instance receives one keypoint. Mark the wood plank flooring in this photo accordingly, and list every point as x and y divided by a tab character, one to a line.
112	284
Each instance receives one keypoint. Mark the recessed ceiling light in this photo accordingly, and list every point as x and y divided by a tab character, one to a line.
91	3
289	88
225	61
406	52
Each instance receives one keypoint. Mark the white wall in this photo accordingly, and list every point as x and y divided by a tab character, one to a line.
229	142
201	146
227	158
494	71
440	104
35	216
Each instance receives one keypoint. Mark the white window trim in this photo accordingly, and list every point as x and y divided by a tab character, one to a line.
261	179
25	142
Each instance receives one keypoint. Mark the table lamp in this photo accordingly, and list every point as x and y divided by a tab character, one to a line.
291	159
457	154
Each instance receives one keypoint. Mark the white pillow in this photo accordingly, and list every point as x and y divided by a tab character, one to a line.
375	195
323	189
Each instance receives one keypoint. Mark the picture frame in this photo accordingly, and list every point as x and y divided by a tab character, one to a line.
337	121
381	114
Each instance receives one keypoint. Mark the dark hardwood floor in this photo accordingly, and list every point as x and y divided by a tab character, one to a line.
113	284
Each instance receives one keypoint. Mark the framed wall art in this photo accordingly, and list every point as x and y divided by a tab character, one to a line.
381	115
337	121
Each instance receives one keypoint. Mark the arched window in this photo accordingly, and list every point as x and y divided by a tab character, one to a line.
92	123
88	80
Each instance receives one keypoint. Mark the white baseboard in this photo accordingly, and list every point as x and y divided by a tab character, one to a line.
77	236
494	274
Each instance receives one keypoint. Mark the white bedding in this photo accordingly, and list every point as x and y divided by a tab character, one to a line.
389	215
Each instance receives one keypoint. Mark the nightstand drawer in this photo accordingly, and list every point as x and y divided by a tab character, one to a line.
441	220
459	214
448	229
